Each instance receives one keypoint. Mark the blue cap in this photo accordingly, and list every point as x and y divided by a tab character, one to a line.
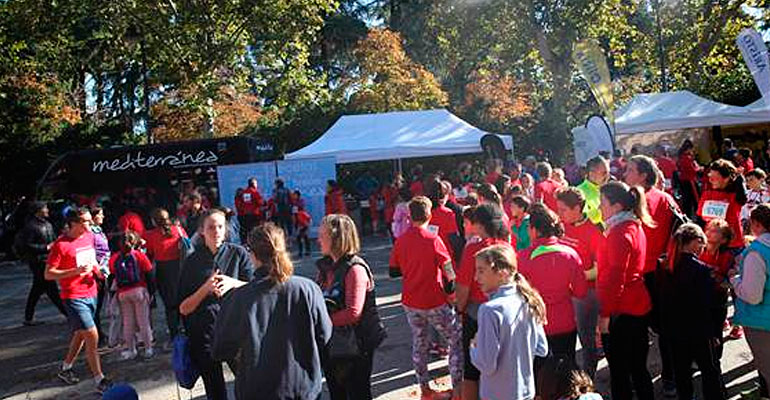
121	391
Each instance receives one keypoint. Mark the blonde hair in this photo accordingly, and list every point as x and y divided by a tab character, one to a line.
503	258
268	244
343	234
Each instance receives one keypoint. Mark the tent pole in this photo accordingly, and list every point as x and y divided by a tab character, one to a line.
400	167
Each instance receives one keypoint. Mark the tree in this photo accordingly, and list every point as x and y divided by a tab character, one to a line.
387	80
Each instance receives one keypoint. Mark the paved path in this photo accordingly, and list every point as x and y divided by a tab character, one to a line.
30	356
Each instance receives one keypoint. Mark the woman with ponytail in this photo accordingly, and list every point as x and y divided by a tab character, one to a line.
623	298
510	333
691	315
275	327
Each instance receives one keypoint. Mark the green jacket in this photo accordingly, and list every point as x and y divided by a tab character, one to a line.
593	199
521	234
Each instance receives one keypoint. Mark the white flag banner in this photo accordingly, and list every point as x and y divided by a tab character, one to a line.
589	143
755	54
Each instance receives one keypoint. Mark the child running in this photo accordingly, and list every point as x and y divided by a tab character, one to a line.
129	267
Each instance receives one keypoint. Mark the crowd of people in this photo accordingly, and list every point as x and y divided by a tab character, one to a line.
503	272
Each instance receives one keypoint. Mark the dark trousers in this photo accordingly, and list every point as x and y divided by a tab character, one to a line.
350	379
101	287
167	274
654	318
303	241
39	286
560	346
211	371
249	222
285	222
626	349
689	200
688	349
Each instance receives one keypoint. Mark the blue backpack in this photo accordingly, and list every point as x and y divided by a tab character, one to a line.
184	369
127	270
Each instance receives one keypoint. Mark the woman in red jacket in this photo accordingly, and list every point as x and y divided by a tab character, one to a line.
623	298
334	200
556	271
724	199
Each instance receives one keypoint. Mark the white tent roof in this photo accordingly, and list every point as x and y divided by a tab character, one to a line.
394	135
651	112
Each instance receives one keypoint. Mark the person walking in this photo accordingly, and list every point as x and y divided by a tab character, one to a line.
214	268
623	298
751	283
34	242
421	257
130	266
249	207
277	325
72	262
691	315
348	287
164	247
555	270
510	328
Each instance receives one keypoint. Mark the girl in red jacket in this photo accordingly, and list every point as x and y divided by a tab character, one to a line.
724	199
623	298
556	271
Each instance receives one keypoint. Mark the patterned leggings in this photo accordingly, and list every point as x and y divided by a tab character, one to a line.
444	320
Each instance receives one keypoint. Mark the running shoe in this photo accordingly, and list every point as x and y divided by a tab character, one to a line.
104	385
68	376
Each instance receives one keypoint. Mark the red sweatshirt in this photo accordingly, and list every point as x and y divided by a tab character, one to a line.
658	202
545	191
587	239
620	285
335	202
467	271
721	204
688	168
251	202
556	271
444	219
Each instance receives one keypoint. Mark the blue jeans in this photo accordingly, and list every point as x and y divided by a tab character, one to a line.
587	316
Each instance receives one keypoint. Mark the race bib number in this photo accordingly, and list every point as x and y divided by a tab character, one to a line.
85	256
715	209
247	197
433	229
294	209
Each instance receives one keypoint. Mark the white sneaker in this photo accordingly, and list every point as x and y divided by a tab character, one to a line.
148	353
128	354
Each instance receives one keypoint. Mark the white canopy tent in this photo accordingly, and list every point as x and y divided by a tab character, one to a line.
653	112
396	135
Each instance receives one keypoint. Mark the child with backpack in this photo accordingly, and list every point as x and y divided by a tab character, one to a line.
129	267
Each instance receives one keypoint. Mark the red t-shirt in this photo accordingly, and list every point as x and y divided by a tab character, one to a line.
546	192
620	285
688	168
587	239
721	204
335	202
68	253
467	271
131	221
417	188
667	166
444	219
161	247
556	271
421	256
659	204
143	263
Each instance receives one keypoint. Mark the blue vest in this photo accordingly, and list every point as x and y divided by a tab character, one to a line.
755	316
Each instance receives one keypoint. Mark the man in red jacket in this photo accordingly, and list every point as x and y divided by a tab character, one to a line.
546	188
642	171
249	207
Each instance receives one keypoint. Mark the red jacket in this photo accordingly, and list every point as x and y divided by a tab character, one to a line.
722	204
545	191
556	271
667	166
587	239
444	219
249	202
620	285
688	168
335	202
390	195
467	271
658	202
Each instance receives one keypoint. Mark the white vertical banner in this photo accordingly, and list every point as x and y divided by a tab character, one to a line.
755	54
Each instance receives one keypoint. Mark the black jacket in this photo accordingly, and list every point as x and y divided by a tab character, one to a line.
231	260
275	333
34	239
690	307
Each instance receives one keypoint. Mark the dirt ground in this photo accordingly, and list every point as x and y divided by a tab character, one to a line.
30	356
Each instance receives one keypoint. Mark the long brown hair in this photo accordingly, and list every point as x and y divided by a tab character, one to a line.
502	257
630	198
268	244
682	237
